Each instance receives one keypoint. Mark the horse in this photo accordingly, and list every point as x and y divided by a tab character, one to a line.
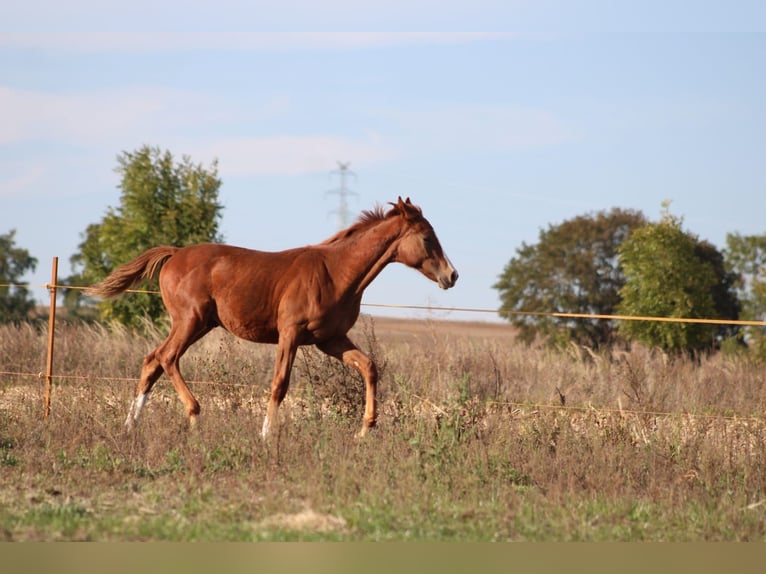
302	296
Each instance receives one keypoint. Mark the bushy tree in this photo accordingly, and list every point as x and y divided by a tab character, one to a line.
572	269
163	202
15	303
745	257
671	273
726	302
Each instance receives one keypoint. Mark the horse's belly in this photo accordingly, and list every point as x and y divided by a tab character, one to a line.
257	333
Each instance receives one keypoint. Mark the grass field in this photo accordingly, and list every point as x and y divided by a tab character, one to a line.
479	439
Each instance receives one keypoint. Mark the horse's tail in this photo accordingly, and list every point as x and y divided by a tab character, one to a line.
145	266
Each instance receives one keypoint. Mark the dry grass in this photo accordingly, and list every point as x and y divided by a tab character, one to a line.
479	438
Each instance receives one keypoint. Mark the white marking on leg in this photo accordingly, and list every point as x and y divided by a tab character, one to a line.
129	419
265	429
140	402
135	410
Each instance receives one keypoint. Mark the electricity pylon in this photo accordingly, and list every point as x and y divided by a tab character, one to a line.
343	193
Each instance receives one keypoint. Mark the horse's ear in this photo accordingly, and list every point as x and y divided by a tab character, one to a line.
410	211
407	209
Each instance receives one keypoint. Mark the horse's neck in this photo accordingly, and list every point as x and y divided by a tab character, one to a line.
360	258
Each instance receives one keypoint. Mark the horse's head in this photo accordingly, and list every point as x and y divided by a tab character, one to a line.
419	247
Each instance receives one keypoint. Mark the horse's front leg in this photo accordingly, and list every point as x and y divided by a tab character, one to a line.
284	363
344	350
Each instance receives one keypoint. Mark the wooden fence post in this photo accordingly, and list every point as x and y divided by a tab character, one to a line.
51	329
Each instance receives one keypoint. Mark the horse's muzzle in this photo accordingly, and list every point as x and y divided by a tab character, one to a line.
447	281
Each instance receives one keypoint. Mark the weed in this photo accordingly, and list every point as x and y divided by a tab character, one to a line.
7	458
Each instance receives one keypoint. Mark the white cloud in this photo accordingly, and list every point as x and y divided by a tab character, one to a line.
22	177
291	155
170	15
107	117
115	120
239	41
88	124
474	127
97	117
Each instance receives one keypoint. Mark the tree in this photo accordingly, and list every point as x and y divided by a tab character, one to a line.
162	203
572	269
671	273
745	258
15	303
726	301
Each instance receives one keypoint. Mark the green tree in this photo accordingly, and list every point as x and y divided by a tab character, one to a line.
15	303
163	202
671	273
745	257
726	302
572	269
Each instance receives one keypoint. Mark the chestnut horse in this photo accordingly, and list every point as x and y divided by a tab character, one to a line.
304	296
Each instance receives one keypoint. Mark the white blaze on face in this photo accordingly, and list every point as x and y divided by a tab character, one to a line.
450	265
449	277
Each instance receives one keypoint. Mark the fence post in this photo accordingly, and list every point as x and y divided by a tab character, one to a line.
51	330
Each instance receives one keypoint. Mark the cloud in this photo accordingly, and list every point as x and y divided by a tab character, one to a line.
23	176
494	127
231	41
38	128
104	117
266	15
292	155
124	118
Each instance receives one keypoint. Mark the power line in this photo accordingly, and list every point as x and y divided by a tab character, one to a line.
343	192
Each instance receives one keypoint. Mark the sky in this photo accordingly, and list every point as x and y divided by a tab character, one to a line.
575	108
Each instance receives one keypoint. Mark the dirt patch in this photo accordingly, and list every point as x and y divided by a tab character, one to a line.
307	520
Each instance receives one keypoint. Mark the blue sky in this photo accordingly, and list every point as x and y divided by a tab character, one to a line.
495	135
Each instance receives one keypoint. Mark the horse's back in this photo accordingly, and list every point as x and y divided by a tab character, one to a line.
192	260
216	268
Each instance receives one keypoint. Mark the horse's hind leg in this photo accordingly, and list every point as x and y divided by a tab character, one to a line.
165	359
150	372
182	335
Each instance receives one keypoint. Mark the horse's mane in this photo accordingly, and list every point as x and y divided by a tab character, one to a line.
368	218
